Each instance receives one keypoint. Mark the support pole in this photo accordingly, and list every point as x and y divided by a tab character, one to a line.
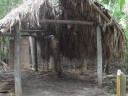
99	56
0	48
56	55
17	66
32	51
36	61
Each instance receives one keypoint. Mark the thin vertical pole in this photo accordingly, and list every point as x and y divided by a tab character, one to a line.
32	51
36	62
0	48
17	66
99	56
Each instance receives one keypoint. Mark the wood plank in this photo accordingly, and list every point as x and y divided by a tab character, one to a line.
121	84
118	83
17	68
99	56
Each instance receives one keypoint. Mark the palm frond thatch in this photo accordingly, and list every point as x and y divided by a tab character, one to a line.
75	41
28	13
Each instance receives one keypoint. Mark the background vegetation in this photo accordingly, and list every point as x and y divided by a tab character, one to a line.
119	9
5	7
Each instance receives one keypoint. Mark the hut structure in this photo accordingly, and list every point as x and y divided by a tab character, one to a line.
75	29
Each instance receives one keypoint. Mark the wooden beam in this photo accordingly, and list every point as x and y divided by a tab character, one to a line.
17	66
99	11
11	35
35	31
29	31
66	22
99	56
54	21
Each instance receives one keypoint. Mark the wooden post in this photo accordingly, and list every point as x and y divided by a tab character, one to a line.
121	84
55	53
84	66
32	51
99	56
36	61
17	69
51	63
0	48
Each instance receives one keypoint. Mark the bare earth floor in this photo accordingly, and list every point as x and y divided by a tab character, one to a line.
47	84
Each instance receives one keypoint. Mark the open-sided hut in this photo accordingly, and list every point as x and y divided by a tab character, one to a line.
73	24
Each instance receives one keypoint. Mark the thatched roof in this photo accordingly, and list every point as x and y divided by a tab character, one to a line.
29	13
76	41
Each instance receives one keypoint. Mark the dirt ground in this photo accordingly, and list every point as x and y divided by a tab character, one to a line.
47	84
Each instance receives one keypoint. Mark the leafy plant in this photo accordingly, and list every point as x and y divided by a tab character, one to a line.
111	86
55	1
6	6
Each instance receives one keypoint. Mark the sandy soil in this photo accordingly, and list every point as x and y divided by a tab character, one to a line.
47	84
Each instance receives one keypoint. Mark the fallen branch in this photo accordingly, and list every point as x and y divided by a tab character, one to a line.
111	76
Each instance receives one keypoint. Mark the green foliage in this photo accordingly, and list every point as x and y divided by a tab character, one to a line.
116	7
6	6
111	86
55	1
122	3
